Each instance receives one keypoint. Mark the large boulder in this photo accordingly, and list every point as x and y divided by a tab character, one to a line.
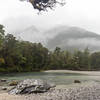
32	86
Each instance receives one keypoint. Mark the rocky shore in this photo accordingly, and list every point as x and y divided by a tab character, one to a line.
83	91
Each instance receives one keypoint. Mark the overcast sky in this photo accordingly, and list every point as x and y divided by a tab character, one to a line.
81	13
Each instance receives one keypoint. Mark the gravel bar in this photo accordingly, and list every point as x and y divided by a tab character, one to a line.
90	91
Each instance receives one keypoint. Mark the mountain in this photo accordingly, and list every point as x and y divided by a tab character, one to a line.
32	34
73	38
66	37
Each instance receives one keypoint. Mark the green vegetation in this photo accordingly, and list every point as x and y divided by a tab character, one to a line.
22	56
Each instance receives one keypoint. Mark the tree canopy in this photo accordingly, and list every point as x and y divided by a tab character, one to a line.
42	5
21	56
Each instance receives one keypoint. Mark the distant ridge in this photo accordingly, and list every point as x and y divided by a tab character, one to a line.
73	38
66	37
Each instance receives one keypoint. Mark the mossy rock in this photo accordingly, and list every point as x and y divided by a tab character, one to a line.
13	83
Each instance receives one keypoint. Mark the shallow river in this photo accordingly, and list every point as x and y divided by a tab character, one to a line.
57	78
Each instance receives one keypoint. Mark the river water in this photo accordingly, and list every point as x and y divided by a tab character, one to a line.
57	78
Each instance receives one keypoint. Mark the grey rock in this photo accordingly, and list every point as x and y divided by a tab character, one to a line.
32	86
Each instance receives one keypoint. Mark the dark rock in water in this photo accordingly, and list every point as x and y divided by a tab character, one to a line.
13	83
3	80
32	86
4	88
77	81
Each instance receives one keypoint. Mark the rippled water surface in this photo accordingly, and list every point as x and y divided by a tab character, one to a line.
57	78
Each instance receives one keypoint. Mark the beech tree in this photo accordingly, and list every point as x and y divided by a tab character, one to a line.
43	5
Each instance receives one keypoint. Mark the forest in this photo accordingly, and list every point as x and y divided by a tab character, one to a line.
24	56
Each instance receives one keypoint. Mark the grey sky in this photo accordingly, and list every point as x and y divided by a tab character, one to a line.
81	13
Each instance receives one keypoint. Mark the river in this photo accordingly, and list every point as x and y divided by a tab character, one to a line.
58	78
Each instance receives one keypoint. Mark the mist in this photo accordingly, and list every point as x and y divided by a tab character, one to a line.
51	28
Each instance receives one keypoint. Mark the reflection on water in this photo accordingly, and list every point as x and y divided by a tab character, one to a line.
57	78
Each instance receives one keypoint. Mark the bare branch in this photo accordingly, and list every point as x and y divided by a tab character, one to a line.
42	5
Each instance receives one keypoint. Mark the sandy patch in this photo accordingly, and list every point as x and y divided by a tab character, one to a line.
6	96
77	72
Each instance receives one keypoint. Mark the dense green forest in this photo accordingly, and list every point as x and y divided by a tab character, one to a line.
22	56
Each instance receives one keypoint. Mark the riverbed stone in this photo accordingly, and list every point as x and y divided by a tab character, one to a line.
3	80
32	86
13	83
4	88
77	81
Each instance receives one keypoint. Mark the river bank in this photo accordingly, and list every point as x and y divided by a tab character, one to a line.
86	90
76	72
83	91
